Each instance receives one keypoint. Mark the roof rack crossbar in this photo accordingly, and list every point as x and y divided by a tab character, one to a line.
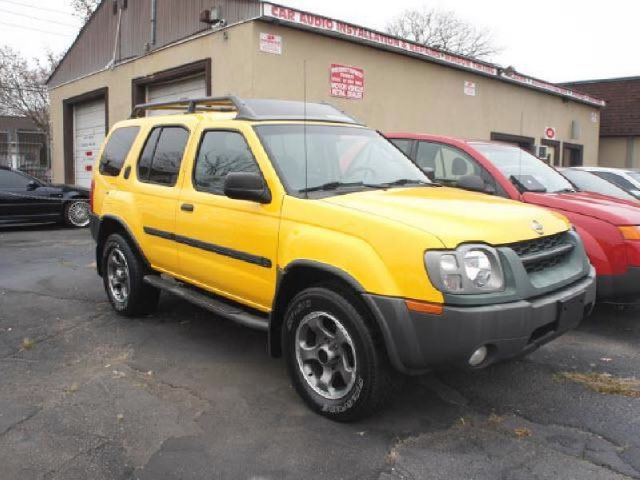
229	103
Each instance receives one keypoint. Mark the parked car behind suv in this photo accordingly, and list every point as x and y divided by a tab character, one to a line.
26	200
293	219
610	228
627	179
586	181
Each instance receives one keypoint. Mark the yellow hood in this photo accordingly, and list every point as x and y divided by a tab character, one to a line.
455	216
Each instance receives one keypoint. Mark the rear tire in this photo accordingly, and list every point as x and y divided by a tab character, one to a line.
76	213
336	363
123	276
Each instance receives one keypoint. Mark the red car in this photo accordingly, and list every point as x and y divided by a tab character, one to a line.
610	228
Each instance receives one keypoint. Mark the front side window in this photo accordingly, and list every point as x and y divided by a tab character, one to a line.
116	150
162	155
526	172
449	164
13	180
328	157
221	153
403	144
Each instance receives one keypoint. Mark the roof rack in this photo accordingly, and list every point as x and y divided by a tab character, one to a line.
192	105
255	109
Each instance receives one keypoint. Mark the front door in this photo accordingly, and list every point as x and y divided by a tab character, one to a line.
227	246
20	200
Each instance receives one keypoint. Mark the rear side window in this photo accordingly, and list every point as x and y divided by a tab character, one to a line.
221	153
116	150
162	155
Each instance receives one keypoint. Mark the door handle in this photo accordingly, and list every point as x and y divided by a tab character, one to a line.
186	207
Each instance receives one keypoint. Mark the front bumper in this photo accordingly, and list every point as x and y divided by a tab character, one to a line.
418	342
620	289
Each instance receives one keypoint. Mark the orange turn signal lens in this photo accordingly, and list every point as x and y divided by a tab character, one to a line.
424	307
630	232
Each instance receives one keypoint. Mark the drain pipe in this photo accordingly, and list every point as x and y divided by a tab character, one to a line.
112	63
154	13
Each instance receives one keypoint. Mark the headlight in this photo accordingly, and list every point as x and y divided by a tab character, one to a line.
471	269
630	232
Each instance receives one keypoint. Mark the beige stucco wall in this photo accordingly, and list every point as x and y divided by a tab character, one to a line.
613	151
619	152
401	93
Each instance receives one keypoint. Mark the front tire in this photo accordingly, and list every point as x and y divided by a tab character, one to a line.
123	276
76	213
336	363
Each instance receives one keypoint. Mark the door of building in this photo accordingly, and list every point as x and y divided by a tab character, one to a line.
88	133
192	87
572	155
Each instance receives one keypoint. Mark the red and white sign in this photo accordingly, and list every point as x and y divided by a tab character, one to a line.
470	89
550	133
347	82
338	28
270	43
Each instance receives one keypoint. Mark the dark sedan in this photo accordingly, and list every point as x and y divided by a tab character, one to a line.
25	199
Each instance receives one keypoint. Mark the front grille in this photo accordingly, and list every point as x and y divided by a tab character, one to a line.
543	253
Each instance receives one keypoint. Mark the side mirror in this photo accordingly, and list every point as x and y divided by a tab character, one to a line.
430	173
473	183
32	185
246	186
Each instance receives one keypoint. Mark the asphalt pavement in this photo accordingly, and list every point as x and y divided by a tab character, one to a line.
85	394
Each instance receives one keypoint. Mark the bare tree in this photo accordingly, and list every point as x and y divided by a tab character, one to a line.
84	8
443	29
22	86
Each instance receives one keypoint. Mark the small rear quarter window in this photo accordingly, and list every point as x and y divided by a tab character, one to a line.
117	149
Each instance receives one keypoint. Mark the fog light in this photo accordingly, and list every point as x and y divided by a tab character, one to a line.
479	356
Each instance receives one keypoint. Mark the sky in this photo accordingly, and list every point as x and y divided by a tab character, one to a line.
556	40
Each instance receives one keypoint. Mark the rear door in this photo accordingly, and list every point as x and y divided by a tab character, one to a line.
156	183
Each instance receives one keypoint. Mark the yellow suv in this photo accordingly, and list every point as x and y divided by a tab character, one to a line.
292	218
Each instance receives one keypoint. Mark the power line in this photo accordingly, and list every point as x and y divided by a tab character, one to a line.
38	8
38	19
36	29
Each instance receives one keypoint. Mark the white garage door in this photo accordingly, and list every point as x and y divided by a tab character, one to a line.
192	87
89	132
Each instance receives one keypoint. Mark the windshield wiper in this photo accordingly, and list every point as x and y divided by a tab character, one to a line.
566	190
331	186
399	182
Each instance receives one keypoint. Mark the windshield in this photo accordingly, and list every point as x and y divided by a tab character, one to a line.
589	182
634	175
523	169
336	157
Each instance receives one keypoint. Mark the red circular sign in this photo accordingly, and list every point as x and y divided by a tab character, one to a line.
550	132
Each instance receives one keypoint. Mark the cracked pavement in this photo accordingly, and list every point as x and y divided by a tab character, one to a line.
184	395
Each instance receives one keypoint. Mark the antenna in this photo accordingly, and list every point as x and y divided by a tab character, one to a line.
304	130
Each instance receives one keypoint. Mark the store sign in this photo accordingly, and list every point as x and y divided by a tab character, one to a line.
347	82
270	43
336	27
549	87
550	133
345	29
470	89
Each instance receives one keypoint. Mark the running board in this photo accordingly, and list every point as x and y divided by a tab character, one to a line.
208	302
